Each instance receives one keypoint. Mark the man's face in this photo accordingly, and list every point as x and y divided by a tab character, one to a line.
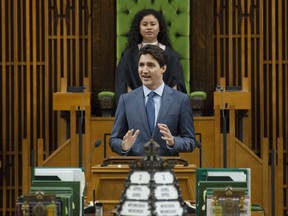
150	72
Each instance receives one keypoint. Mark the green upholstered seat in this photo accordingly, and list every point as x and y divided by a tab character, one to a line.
177	15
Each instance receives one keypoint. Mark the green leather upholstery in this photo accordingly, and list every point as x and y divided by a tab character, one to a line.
177	15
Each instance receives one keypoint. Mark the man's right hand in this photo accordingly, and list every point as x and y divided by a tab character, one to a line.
129	139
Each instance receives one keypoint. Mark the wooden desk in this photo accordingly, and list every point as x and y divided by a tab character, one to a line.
108	183
232	101
73	102
238	99
66	100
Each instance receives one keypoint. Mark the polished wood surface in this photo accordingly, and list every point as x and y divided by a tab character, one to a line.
64	101
238	99
108	183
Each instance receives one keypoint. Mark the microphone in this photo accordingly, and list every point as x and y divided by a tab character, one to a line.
96	145
222	108
199	145
82	108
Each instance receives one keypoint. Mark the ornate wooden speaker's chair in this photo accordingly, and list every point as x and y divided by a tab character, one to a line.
177	15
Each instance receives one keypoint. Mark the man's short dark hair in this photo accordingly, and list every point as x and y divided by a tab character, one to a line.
158	53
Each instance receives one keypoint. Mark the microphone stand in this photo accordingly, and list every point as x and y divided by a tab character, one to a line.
200	156
199	145
224	140
80	125
96	145
224	128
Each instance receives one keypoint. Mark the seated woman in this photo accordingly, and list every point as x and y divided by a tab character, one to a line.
148	27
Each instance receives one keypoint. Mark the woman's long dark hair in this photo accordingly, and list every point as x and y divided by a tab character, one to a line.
134	36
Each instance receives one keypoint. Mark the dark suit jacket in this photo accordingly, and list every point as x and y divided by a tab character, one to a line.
175	112
127	72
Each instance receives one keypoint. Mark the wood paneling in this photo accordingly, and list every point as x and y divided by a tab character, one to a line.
104	51
251	42
43	41
202	50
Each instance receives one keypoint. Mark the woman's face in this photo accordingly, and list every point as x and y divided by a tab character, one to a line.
149	29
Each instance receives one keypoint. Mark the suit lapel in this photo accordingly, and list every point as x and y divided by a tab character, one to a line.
167	99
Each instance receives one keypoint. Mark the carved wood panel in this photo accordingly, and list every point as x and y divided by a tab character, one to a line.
42	41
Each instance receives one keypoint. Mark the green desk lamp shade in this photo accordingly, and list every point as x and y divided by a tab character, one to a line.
200	95
107	101
104	94
197	99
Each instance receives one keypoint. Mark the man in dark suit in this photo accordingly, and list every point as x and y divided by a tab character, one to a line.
172	124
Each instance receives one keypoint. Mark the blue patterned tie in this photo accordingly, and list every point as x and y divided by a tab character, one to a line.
150	110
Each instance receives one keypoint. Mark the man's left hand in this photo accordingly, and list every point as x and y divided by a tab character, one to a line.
166	134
